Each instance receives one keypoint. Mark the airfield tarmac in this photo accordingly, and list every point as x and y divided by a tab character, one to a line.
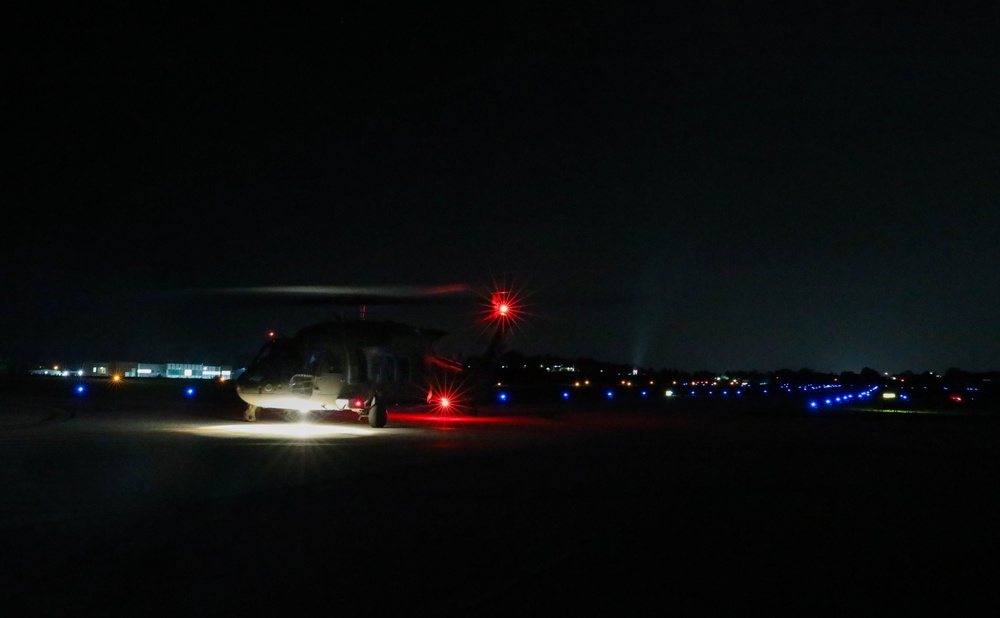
124	502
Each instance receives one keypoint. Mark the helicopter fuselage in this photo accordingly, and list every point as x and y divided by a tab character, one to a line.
335	366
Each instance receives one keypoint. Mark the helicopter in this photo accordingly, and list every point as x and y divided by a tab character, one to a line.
364	365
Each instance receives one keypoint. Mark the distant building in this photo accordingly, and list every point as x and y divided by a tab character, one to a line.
56	371
561	368
158	370
205	372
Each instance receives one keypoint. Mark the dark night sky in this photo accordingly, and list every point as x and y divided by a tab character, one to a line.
673	185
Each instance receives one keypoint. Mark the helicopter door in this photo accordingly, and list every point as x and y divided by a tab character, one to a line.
391	373
381	368
330	369
357	366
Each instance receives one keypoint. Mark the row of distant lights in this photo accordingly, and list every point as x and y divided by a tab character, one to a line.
850	398
504	396
714	385
117	379
81	389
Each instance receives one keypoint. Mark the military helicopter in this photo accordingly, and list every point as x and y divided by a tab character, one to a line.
363	365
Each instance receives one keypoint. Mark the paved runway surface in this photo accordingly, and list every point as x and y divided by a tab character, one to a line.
126	502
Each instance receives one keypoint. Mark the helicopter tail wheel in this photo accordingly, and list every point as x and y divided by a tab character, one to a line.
377	415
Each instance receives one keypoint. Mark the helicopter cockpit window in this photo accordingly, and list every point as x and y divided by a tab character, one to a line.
334	361
321	360
312	361
276	357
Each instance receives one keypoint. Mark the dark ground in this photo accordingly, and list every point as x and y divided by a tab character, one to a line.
121	504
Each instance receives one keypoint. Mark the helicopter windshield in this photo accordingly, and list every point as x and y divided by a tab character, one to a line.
282	357
276	358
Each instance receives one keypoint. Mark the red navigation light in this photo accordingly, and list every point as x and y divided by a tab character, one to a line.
505	308
447	399
359	403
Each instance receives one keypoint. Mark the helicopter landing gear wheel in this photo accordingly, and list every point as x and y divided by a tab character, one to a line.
377	415
294	416
250	414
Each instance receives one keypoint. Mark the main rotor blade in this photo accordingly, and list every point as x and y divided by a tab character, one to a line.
339	295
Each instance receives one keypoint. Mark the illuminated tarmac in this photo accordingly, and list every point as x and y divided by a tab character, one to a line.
126	505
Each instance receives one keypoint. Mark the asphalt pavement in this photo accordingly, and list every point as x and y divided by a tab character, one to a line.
132	502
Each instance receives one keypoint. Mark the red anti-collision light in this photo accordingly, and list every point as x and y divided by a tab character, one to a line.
505	308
